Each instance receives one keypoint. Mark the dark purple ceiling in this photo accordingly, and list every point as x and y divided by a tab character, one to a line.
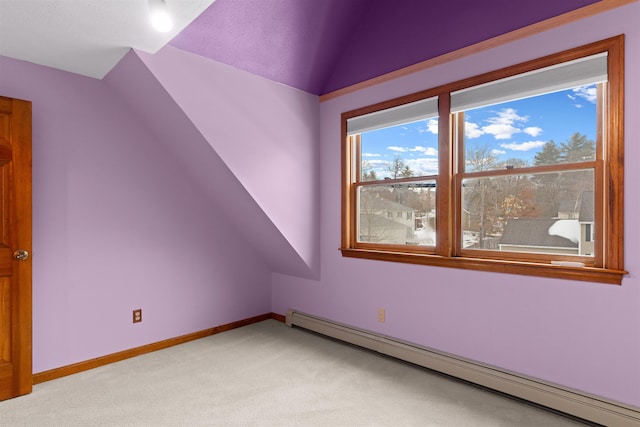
323	45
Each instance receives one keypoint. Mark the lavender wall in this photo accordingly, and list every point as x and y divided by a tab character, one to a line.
119	225
581	335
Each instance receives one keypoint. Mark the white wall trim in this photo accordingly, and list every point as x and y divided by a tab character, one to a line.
573	402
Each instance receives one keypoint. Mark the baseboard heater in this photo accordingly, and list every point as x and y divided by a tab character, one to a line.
572	402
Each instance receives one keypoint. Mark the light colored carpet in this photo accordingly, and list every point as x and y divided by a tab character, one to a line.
266	374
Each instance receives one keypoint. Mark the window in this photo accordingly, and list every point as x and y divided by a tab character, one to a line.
518	170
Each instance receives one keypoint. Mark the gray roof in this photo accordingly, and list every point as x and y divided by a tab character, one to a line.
384	204
533	232
567	206
379	221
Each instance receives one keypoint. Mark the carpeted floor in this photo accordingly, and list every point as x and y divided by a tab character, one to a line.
267	374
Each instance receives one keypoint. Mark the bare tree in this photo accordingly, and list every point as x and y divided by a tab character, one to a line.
399	169
480	194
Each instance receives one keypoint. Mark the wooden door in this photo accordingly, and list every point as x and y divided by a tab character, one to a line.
15	236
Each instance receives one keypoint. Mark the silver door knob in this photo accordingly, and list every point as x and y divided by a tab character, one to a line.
21	255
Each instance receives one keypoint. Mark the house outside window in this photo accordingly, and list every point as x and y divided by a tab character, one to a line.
506	171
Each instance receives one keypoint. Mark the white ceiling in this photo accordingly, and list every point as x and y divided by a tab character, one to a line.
86	37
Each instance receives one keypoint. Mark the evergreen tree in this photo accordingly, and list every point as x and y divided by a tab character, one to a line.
406	172
368	173
554	188
549	155
369	176
578	149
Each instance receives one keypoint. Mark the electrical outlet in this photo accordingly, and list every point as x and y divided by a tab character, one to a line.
381	315
137	315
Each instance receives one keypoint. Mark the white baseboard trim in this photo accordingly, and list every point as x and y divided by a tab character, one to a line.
572	402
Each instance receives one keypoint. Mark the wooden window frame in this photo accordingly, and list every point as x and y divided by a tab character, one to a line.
607	266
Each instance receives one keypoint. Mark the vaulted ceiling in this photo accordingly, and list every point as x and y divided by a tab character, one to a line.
317	46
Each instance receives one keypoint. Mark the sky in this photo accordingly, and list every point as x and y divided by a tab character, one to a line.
514	129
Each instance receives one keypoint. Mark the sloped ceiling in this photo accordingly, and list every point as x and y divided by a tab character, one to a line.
314	45
323	45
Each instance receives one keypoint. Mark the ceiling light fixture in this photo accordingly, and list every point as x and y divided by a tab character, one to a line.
160	17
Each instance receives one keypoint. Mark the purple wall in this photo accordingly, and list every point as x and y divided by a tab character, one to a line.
118	225
580	335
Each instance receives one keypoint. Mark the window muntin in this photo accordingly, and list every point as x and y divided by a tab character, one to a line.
597	174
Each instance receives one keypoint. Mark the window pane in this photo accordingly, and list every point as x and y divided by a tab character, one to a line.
555	128
402	151
399	214
540	213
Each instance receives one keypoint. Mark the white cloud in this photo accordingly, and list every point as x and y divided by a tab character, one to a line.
588	93
533	131
503	125
370	155
397	149
501	130
472	130
378	163
379	167
432	126
507	116
427	151
423	166
497	152
574	99
523	146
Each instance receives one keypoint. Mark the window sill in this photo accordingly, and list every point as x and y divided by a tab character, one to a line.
585	274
